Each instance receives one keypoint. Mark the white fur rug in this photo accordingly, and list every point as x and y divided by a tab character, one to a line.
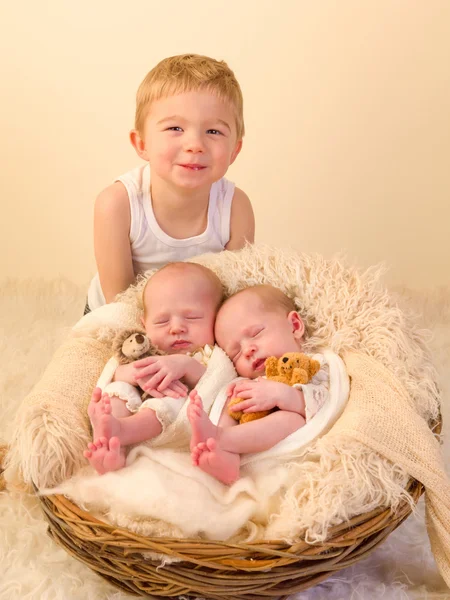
34	316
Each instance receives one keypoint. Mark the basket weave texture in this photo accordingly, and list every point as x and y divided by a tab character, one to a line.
216	570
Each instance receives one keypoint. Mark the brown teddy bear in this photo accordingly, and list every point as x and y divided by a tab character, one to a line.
291	368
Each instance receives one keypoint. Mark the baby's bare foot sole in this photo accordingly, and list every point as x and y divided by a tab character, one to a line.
218	463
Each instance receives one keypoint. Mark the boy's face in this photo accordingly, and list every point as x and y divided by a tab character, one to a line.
189	139
180	312
250	333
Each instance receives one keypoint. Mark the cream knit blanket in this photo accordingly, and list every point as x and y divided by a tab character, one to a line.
361	464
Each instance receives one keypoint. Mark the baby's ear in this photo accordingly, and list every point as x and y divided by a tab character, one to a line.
298	327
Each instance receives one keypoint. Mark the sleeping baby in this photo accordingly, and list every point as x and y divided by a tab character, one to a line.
180	305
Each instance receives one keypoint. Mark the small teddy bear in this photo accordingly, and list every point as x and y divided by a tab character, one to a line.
291	368
131	344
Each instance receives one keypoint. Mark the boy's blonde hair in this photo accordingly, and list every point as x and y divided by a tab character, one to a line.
186	73
215	285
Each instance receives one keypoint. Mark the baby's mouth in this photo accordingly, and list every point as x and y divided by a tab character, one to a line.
181	344
258	364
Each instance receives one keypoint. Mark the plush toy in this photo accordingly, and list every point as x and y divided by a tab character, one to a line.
291	368
131	344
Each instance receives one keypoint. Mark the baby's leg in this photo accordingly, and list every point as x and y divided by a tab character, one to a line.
129	428
100	416
112	432
216	450
205	451
262	434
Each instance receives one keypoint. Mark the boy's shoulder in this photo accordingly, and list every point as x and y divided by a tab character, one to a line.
113	199
242	221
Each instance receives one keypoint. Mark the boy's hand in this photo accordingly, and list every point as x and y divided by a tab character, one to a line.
161	371
263	394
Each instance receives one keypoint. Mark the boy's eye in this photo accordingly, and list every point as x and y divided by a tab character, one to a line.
214	131
193	318
256	332
161	322
174	128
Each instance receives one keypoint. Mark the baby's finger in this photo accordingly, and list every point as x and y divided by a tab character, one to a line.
243	387
168	393
179	387
241	406
143	362
145	371
230	390
154	381
165	382
154	393
245	395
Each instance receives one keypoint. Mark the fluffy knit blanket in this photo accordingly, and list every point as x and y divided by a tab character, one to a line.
356	466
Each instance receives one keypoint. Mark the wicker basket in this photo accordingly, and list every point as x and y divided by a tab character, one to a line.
217	570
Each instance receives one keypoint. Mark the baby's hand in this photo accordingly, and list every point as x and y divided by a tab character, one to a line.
263	394
175	390
159	372
256	395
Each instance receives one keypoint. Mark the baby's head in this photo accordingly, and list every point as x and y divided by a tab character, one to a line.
180	306
189	73
189	121
256	323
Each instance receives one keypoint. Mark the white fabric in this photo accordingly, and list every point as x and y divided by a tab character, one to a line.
151	247
174	489
126	392
315	392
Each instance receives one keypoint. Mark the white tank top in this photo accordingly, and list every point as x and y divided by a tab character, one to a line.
151	247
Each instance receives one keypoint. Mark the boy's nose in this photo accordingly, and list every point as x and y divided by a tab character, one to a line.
194	144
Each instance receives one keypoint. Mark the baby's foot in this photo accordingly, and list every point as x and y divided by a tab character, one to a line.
105	456
218	463
201	426
104	423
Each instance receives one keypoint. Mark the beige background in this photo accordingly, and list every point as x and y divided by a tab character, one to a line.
347	108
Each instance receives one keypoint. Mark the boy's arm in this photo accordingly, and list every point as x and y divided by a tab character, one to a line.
242	221
111	240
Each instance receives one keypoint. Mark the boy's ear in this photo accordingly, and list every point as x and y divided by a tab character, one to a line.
236	151
138	144
298	327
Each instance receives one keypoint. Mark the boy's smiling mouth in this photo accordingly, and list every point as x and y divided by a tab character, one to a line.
193	167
